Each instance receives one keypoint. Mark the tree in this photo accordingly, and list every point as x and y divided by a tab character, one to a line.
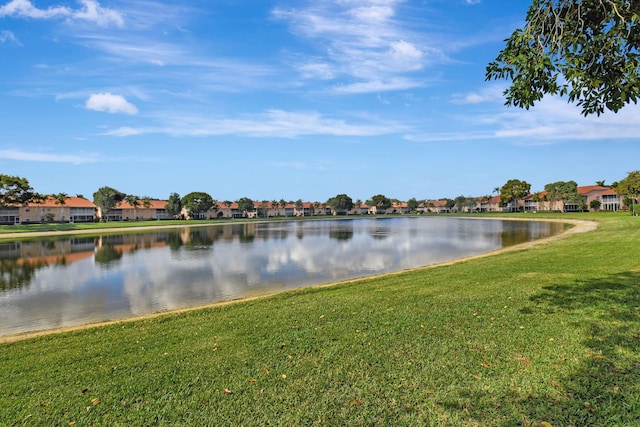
449	203
16	191
60	199
133	202
263	210
630	187
245	204
512	191
174	205
146	201
381	202
299	206
601	183
340	204
358	205
563	191
461	202
587	50
412	204
106	199
197	204
595	205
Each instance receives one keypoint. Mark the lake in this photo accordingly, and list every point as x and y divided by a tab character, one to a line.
49	283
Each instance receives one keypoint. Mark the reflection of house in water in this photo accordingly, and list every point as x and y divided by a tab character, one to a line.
62	251
20	260
131	242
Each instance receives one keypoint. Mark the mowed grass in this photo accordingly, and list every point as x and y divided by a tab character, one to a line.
549	334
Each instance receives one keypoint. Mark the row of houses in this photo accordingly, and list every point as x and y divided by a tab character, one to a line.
607	198
78	209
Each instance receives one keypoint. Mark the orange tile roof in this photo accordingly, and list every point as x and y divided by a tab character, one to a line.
155	204
589	188
72	202
436	203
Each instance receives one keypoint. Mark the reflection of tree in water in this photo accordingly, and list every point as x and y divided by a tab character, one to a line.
15	274
199	239
173	240
379	232
107	254
245	233
342	232
246	238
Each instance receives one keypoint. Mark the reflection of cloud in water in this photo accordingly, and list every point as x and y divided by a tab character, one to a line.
296	254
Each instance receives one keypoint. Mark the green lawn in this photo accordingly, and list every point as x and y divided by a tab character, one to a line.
549	334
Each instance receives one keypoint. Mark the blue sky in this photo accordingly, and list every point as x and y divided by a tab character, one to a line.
274	99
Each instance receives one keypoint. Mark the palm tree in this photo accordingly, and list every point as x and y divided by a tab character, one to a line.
146	202
358	205
133	202
60	199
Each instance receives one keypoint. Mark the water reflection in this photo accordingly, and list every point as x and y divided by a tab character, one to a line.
68	281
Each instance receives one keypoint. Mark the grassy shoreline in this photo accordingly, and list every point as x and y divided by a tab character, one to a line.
549	333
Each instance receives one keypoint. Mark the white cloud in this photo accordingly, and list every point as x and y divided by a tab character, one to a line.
24	9
47	157
271	123
362	41
8	36
110	103
490	94
398	83
550	121
317	70
90	10
93	12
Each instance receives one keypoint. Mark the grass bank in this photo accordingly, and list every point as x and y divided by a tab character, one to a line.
549	334
28	231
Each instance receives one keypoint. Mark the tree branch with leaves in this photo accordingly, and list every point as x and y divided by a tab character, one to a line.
587	50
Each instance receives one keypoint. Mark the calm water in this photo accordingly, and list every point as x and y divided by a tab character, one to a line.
49	283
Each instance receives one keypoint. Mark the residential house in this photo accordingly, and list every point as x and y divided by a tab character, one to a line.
434	206
50	209
608	198
398	208
150	210
9	215
491	204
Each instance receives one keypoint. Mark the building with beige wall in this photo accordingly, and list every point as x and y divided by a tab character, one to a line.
50	209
